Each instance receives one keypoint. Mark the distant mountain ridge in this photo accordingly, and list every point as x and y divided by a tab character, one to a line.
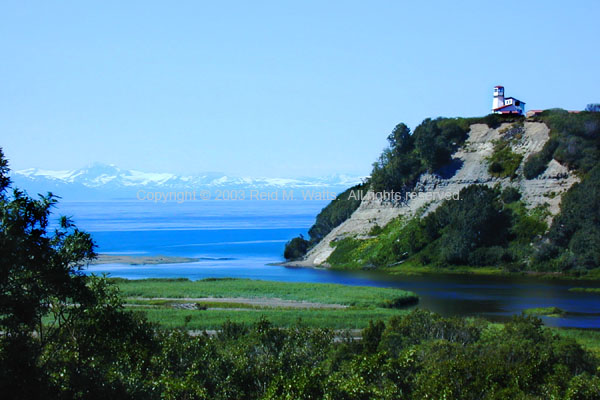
107	181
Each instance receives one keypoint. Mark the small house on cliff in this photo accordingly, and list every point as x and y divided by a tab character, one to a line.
506	105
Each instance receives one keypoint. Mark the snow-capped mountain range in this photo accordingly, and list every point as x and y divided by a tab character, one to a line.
109	181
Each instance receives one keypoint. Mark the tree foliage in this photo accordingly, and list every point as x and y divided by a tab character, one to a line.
420	355
409	155
575	138
574	237
296	248
63	335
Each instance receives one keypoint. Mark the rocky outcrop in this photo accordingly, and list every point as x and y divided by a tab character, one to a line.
469	166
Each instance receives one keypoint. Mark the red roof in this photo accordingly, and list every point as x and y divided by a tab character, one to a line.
499	87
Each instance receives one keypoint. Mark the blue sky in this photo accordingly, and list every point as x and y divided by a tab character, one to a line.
277	88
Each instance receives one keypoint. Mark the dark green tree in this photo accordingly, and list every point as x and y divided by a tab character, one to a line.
62	332
296	248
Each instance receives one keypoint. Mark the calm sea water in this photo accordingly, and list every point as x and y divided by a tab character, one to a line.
241	239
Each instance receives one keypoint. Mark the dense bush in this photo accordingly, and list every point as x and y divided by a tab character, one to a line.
510	195
416	356
476	220
63	335
574	237
485	227
436	140
420	355
495	120
503	163
296	248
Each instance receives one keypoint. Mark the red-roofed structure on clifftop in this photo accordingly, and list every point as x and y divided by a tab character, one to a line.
506	105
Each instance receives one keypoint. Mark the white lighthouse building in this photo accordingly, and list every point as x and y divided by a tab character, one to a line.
506	105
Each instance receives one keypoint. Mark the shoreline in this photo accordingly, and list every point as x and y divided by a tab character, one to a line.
428	270
140	260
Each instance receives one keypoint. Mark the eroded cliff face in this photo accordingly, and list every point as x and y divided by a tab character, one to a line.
469	166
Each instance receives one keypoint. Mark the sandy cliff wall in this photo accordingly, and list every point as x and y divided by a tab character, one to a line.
469	166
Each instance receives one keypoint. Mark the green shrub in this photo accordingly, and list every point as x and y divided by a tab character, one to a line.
296	248
375	230
503	163
510	195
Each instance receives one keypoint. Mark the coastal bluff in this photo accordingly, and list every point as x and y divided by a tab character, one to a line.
469	166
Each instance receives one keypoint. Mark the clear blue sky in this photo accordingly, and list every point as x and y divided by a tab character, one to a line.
278	88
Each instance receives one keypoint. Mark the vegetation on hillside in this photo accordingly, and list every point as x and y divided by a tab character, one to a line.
504	162
296	248
408	155
574	142
488	227
336	212
485	227
573	241
428	149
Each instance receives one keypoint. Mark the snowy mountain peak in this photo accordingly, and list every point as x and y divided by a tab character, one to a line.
110	178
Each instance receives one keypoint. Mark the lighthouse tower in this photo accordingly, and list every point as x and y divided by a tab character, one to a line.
498	97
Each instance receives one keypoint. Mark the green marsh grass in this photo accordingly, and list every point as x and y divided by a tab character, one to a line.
358	296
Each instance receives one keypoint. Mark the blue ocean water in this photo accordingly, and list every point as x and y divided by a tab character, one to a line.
244	238
211	230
